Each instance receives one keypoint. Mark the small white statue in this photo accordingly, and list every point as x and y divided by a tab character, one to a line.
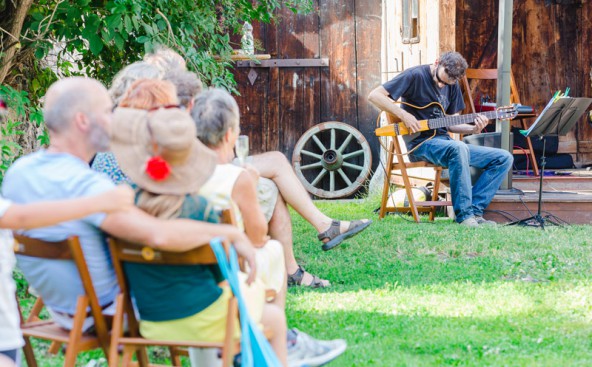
247	42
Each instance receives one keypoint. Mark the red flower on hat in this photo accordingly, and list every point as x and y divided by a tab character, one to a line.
157	168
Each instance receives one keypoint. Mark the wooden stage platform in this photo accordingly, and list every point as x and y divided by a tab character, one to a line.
568	197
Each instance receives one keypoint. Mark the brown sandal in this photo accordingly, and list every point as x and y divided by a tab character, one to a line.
334	235
295	279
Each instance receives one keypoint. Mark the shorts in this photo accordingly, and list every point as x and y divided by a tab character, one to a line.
267	194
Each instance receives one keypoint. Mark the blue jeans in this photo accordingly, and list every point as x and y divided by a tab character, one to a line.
458	157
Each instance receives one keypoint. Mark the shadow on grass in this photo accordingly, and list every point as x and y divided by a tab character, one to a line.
379	339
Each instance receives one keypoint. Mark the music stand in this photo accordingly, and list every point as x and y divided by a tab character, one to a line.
558	118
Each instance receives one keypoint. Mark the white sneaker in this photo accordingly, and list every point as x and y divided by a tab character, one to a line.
310	352
470	222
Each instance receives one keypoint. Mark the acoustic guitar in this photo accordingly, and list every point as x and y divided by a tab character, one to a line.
399	128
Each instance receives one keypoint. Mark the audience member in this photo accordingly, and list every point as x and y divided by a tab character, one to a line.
165	59
269	258
128	75
188	86
216	115
77	113
188	304
15	216
143	94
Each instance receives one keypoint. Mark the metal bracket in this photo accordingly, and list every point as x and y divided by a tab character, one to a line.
252	76
283	63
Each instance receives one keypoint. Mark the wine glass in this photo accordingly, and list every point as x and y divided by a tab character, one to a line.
241	148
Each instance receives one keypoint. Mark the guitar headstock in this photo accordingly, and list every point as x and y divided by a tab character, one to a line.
506	112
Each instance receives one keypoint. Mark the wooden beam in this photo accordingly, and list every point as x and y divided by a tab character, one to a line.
447	25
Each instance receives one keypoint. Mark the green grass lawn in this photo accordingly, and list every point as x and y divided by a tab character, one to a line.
407	294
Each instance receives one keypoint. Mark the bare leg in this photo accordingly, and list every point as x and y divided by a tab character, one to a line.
275	166
280	229
274	318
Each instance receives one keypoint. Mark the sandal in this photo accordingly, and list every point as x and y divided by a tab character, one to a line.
334	235
295	279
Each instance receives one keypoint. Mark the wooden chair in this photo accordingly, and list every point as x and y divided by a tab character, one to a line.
398	165
491	74
133	342
75	339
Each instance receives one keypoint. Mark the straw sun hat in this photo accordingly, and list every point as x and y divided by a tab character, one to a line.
159	150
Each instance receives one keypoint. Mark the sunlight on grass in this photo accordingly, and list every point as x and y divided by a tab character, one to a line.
407	294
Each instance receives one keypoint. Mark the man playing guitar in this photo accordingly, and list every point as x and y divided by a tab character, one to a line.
430	92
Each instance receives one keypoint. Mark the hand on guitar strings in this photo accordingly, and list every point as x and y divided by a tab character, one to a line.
480	122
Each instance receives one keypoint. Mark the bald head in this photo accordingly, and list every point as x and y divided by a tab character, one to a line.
68	97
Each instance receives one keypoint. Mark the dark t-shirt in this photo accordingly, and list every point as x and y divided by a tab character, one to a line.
416	86
165	292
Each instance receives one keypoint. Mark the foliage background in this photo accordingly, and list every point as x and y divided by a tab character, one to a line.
41	41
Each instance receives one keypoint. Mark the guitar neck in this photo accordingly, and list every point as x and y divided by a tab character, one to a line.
459	119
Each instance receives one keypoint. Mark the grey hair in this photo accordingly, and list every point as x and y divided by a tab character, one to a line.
215	111
128	75
187	83
454	64
165	59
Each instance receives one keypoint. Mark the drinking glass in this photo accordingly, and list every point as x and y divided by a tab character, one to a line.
241	148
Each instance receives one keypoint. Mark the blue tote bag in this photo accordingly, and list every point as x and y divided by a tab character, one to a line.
255	349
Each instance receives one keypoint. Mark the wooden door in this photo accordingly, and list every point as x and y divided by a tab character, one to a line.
338	47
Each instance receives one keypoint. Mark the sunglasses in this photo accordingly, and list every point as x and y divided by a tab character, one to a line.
165	107
440	80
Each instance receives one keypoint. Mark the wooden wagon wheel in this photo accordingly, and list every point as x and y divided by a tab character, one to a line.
337	168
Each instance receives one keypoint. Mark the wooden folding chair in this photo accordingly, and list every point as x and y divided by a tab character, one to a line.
397	165
33	327
491	74
133	342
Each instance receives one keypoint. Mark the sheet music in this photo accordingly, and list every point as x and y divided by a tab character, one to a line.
558	116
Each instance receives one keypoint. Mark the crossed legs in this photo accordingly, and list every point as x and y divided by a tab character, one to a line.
275	166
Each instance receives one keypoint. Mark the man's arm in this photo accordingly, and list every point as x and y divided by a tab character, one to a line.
480	123
176	234
47	213
380	98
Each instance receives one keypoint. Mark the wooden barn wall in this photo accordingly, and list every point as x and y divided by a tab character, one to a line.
284	102
551	50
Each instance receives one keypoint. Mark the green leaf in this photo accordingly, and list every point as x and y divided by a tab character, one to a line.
142	39
118	41
40	53
95	44
92	23
107	36
128	23
113	22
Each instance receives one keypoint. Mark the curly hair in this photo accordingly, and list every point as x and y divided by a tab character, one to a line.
454	64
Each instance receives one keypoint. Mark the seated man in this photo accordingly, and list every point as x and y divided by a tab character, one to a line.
14	216
423	85
77	113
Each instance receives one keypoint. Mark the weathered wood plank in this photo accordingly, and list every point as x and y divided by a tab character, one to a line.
368	44
550	51
338	85
447	10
